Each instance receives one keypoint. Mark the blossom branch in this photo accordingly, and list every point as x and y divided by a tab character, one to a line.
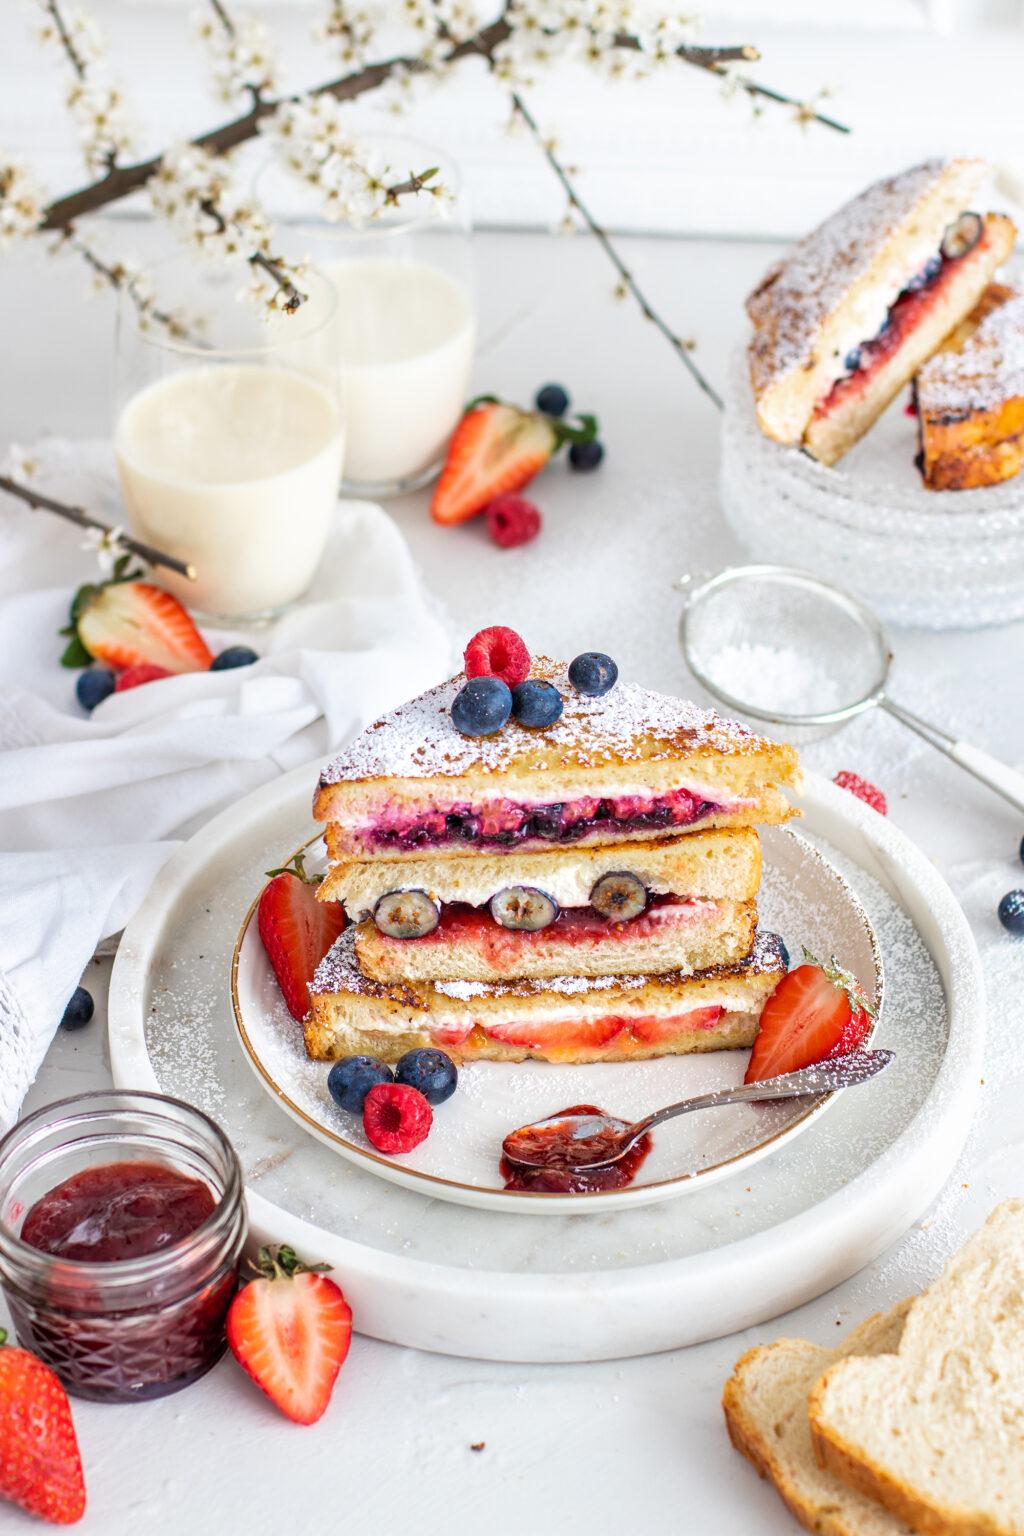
75	59
77	515
626	278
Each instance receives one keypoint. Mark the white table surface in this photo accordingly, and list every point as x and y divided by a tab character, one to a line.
634	1444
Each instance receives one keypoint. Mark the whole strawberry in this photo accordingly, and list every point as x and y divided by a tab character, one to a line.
40	1465
297	930
290	1329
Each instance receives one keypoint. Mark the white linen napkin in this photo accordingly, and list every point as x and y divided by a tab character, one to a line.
91	806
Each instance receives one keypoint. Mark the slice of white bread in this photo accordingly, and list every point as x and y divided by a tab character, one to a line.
765	1404
724	863
935	1431
631	764
832	292
681	936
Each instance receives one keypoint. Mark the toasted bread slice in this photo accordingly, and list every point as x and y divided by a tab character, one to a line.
935	1431
564	1019
629	765
970	397
832	293
723	863
468	945
916	325
765	1404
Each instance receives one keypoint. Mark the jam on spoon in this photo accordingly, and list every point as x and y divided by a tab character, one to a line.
553	1150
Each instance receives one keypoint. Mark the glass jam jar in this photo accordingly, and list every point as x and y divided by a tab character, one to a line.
122	1329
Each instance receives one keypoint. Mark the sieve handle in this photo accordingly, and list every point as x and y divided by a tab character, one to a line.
1006	781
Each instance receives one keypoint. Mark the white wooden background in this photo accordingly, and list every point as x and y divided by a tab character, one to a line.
911	77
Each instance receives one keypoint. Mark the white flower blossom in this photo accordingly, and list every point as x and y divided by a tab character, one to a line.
107	544
242	60
94	100
21	464
22	202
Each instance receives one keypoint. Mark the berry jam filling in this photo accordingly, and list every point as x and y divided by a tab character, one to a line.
117	1211
908	311
564	1038
505	824
561	1154
462	924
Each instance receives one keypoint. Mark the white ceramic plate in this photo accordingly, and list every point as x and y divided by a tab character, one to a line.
434	1275
802	897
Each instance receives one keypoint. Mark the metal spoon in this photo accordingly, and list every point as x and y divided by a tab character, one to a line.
601	1140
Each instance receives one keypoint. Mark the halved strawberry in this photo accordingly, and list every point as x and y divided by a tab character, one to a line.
651	1030
494	448
815	1012
40	1465
297	930
290	1331
129	623
558	1035
146	672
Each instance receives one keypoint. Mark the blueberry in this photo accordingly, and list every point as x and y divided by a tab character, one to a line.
552	400
586	455
79	1010
351	1078
1022	850
1011	912
482	706
234	656
781	943
593	673
535	702
432	1072
852	360
95	685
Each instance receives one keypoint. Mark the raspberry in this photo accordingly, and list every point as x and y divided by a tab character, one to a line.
511	520
143	672
396	1118
497	652
862	789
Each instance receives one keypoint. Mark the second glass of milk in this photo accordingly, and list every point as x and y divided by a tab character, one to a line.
229	439
406	323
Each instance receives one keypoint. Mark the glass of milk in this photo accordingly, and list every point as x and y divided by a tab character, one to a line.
406	317
229	438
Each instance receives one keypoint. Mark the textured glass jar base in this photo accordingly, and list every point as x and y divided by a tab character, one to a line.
937	559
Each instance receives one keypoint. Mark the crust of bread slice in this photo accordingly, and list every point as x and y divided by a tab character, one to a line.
511	1021
935	1431
724	864
831	435
706	933
630	743
970	397
833	291
765	1405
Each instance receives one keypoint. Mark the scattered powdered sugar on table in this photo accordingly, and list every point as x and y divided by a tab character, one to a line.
627	724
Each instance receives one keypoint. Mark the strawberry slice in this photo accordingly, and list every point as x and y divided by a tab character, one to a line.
495	448
559	1035
40	1466
297	930
290	1330
651	1030
816	1011
129	623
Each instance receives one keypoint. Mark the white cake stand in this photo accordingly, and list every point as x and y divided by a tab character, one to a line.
457	1280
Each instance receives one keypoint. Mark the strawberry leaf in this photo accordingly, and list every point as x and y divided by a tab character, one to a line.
75	653
296	866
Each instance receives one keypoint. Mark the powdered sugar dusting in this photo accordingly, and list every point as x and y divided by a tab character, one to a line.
800	292
987	370
631	724
339	971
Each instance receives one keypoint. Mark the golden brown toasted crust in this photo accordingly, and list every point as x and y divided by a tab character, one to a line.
966	443
832	291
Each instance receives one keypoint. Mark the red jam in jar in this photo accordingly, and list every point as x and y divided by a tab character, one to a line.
122	1271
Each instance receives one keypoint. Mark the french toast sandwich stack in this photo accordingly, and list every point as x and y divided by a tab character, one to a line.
581	891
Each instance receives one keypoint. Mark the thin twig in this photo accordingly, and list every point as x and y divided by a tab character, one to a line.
606	245
294	298
223	17
67	42
82	519
119	281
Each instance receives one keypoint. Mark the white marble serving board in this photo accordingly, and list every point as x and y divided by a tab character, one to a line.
464	1281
